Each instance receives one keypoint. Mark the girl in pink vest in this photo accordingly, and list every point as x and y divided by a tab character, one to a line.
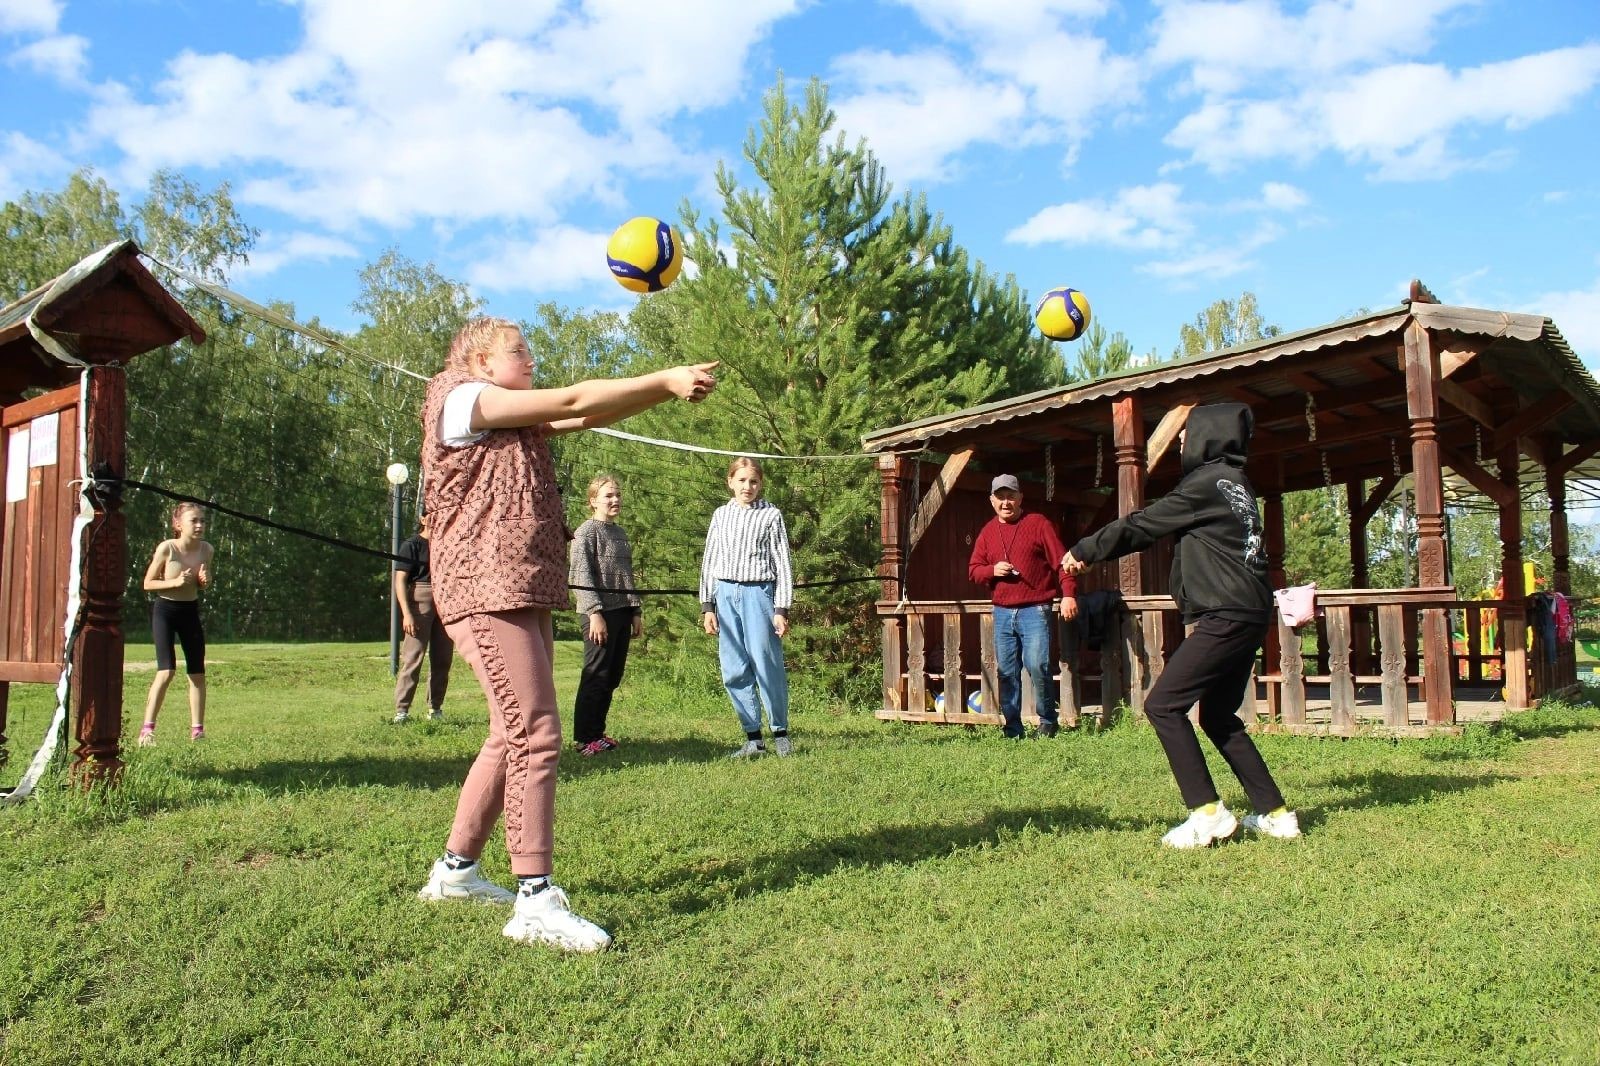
499	569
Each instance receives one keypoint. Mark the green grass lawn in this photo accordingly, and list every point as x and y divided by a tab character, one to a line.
890	894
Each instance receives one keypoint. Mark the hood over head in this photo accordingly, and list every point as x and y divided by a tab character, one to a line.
1217	431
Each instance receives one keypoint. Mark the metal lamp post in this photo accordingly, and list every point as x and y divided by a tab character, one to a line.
397	474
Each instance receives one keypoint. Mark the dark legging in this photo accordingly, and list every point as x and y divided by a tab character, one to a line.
180	619
1211	667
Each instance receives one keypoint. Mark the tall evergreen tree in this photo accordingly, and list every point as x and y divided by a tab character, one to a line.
835	310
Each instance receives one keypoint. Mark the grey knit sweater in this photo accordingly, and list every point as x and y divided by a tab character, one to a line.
601	558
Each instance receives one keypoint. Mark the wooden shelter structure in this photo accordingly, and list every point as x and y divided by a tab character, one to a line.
68	344
1443	399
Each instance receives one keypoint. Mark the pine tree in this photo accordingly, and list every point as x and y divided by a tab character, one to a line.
835	310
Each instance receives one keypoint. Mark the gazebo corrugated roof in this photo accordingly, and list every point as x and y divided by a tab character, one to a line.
1471	403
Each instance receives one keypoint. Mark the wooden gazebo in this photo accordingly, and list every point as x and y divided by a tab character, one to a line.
1453	398
64	350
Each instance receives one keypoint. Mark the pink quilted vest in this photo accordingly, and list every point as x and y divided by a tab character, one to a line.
498	535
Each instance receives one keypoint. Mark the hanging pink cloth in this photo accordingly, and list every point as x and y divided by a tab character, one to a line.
1297	604
1563	619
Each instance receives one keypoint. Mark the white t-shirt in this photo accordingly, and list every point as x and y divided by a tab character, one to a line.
455	421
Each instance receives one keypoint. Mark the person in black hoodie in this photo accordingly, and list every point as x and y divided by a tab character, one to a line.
1219	580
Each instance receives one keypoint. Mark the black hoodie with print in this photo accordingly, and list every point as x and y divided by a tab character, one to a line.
1219	564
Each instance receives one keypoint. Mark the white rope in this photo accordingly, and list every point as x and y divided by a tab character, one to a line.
52	735
283	321
722	451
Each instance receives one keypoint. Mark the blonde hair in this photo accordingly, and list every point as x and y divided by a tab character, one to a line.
743	461
179	511
476	336
601	479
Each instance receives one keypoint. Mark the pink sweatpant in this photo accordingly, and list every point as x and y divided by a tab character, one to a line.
515	771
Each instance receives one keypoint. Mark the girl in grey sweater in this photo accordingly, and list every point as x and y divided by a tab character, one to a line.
601	573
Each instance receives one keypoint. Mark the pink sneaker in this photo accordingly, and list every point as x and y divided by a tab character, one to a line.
197	732
147	734
594	747
607	743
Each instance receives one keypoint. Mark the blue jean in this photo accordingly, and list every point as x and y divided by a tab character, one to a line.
751	654
1022	642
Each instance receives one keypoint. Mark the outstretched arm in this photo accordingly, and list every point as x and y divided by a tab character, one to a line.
597	402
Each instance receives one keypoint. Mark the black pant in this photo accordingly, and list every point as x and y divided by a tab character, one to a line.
602	673
178	619
1211	667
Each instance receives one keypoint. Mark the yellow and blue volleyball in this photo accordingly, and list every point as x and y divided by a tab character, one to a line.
644	254
975	702
1062	314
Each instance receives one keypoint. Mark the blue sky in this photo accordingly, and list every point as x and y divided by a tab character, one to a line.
1157	156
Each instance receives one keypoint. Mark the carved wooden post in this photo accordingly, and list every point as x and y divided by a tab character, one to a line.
891	480
1355	495
97	670
1555	486
1127	422
1514	598
1272	535
1422	405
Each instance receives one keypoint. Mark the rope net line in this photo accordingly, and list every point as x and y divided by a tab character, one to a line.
284	431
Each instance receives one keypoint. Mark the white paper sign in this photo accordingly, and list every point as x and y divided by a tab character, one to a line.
17	466
42	446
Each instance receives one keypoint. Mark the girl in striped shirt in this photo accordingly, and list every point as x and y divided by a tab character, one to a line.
746	588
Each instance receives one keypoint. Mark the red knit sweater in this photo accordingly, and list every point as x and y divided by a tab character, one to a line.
1030	544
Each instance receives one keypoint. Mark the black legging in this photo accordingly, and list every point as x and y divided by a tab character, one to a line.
1211	667
180	618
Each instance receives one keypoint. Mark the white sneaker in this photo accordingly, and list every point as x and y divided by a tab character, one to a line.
1284	826
751	749
781	746
401	717
546	918
1200	829
436	714
465	883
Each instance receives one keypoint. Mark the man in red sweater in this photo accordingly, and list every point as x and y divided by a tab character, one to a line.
1018	556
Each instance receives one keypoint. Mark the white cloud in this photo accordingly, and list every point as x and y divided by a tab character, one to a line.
29	16
24	162
1142	217
1227	46
1281	197
272	253
917	111
1576	314
1025	72
466	112
1221	261
1399	118
559	258
63	57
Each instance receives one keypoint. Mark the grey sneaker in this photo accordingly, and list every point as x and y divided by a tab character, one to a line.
751	749
436	714
1048	730
465	883
781	746
401	717
1284	826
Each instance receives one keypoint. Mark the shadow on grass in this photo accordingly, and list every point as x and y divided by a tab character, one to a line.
1385	789
713	883
1536	728
289	776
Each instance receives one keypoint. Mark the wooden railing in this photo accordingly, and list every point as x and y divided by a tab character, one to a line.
1362	639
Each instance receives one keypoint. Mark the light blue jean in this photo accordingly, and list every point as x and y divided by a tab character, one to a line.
1022	642
751	654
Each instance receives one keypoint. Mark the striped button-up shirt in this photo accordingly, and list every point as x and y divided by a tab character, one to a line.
747	544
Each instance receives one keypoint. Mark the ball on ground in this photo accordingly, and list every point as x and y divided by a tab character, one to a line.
644	254
1062	314
975	702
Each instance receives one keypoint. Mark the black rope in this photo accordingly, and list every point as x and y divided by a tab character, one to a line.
212	505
